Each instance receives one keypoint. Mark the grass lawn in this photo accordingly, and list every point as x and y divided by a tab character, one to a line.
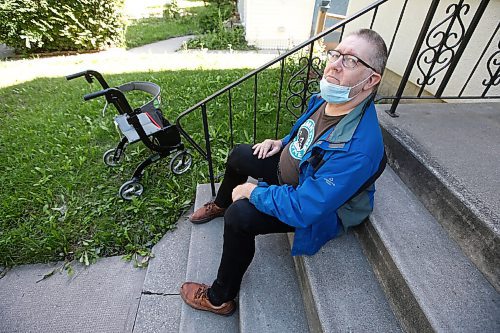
152	29
206	21
59	201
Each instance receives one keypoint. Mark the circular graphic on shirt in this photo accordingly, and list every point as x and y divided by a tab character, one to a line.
302	140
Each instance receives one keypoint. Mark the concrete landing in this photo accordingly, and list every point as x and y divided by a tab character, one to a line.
448	155
463	140
100	298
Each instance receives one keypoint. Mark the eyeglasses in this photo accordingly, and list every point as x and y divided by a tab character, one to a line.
348	60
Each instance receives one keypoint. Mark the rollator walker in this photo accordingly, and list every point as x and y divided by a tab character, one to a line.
145	123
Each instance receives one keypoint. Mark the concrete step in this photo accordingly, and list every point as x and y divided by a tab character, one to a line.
431	284
450	161
205	251
160	304
270	298
341	292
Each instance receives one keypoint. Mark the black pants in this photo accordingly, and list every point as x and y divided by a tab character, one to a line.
242	221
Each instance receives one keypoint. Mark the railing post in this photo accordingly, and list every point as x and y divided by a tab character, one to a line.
282	67
231	118
208	146
413	58
373	18
479	60
306	85
255	110
397	27
472	26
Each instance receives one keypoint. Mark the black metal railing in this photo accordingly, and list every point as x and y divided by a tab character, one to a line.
300	69
444	46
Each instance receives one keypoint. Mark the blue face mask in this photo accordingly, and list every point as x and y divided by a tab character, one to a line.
336	94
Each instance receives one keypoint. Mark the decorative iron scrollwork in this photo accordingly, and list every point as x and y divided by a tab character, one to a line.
304	83
315	75
493	60
441	43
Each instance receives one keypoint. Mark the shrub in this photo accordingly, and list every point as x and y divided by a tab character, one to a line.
226	38
216	34
213	18
220	3
61	25
172	11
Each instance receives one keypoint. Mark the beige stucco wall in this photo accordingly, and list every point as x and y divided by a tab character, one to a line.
413	19
271	24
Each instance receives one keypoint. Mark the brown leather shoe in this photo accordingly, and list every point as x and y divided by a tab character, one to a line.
195	295
208	212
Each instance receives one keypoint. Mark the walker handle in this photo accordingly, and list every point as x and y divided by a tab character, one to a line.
95	94
88	76
114	96
74	76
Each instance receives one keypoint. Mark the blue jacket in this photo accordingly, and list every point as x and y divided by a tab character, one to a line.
348	155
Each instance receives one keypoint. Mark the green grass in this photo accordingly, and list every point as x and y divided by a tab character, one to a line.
206	22
59	201
149	30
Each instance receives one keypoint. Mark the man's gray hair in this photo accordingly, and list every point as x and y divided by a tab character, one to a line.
379	55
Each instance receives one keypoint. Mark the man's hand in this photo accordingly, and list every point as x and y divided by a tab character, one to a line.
243	191
267	148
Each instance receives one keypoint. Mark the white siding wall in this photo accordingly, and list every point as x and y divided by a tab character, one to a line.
272	24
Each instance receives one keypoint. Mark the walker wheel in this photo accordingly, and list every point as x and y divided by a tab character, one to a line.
131	189
109	158
181	162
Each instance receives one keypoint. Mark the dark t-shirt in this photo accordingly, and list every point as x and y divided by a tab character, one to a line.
309	132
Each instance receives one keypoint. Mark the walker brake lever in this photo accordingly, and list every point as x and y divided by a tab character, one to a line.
105	107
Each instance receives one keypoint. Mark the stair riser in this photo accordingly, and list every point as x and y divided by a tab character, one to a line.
309	304
399	295
338	279
267	306
476	239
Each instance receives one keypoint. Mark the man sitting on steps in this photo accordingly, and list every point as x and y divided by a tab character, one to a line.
315	184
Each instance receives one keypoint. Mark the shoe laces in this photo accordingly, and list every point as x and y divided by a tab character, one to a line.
201	292
210	205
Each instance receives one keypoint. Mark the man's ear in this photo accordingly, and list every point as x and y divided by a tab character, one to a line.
372	81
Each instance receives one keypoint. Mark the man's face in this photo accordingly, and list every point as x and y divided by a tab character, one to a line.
336	73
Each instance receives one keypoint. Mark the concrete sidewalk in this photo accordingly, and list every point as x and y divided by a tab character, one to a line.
6	52
159	56
103	297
